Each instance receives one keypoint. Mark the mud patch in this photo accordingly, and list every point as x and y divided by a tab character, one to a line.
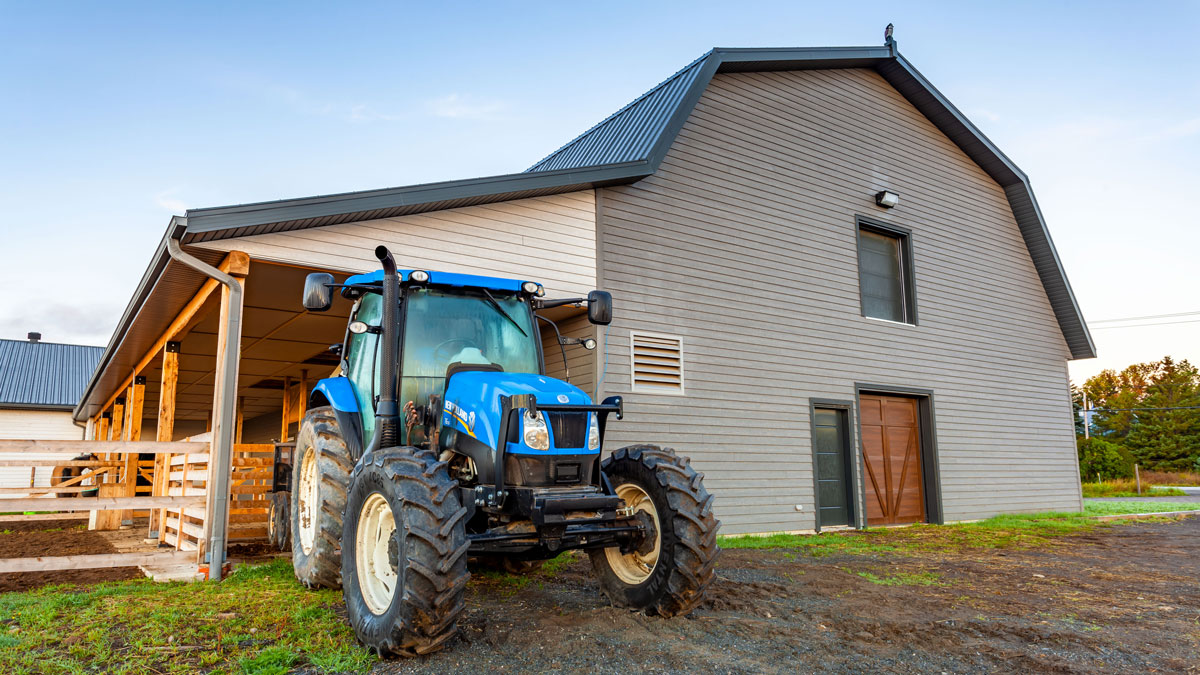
56	538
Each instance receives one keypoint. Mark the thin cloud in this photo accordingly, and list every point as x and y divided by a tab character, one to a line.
170	203
454	106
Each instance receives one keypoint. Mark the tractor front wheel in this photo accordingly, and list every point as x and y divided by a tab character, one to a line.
404	560
668	573
321	478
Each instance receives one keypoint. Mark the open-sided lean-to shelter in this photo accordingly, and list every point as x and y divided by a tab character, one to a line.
824	359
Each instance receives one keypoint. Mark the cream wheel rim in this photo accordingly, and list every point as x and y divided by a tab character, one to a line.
372	543
307	498
634	568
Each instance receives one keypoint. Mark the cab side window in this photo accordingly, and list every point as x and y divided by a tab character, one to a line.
362	360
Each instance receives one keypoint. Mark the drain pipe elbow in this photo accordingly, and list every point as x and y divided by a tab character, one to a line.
221	445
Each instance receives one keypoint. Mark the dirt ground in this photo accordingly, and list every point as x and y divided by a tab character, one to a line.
1121	599
59	538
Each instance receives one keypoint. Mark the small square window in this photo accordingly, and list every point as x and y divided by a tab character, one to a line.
885	279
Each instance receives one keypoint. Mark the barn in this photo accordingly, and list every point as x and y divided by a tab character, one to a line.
831	290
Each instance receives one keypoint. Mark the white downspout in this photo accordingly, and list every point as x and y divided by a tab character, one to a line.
222	443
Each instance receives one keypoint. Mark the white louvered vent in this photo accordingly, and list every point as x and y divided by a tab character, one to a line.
657	363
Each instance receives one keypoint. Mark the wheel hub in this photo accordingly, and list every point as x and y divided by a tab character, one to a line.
307	497
636	566
377	553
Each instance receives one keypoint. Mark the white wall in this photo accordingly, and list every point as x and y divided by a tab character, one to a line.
50	425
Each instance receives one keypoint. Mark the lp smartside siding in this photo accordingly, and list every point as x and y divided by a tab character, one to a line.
581	362
744	244
547	239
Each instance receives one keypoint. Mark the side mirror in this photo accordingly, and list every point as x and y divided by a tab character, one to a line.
318	296
600	307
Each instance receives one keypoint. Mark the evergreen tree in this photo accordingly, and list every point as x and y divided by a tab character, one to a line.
1163	428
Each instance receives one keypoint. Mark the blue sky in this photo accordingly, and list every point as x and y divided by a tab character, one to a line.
115	115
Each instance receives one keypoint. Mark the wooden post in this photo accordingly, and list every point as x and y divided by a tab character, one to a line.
118	420
102	433
164	432
237	438
133	434
110	520
287	409
1137	476
214	467
302	398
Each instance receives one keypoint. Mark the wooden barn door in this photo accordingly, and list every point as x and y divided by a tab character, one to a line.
891	443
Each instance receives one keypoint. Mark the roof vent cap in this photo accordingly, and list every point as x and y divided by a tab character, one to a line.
34	337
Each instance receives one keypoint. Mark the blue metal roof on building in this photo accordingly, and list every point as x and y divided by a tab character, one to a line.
44	374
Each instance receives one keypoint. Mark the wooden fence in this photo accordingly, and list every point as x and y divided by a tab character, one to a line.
172	492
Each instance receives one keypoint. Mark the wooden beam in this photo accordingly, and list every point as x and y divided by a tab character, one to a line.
241	418
86	447
85	562
137	400
102	435
235	263
43	516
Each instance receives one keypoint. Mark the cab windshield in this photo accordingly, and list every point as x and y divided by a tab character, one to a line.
465	326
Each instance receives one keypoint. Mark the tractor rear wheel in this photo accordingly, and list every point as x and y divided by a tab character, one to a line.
321	478
278	519
404	565
668	574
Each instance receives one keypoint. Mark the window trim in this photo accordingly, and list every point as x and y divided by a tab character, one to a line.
908	275
633	386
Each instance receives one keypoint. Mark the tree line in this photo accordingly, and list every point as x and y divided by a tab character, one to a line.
1149	412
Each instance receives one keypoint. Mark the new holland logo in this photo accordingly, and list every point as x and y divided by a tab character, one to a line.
563	398
467	419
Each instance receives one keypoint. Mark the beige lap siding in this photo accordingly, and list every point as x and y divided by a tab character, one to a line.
21	424
581	361
550	239
744	244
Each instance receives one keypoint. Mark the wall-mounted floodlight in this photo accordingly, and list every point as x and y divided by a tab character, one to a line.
887	199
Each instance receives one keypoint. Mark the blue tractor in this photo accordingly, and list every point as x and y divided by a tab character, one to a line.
442	439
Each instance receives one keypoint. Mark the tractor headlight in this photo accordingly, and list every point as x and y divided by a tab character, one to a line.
536	435
593	434
419	276
531	288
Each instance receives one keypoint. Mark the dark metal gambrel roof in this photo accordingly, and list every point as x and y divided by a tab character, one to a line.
44	375
625	147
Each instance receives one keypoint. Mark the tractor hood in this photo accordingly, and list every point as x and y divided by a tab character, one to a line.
472	403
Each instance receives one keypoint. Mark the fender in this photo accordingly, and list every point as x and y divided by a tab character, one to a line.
337	393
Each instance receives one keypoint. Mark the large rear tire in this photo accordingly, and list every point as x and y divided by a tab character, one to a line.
404	567
670	572
320	480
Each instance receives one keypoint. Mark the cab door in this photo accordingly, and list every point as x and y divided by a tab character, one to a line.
362	360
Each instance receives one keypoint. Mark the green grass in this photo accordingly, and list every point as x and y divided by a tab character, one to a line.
1117	508
1004	531
259	620
1127	488
902	578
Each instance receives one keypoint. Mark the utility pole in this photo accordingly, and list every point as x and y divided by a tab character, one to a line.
1087	418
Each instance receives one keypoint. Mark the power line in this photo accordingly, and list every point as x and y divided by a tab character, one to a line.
1141	318
1145	325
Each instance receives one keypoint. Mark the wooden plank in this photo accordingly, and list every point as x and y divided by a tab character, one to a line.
93	447
102	433
118	419
96	463
84	562
236	262
43	516
96	503
107	518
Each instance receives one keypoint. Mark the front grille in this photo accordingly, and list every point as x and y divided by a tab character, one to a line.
569	429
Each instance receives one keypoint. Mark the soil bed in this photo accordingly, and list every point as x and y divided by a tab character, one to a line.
56	538
1119	599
